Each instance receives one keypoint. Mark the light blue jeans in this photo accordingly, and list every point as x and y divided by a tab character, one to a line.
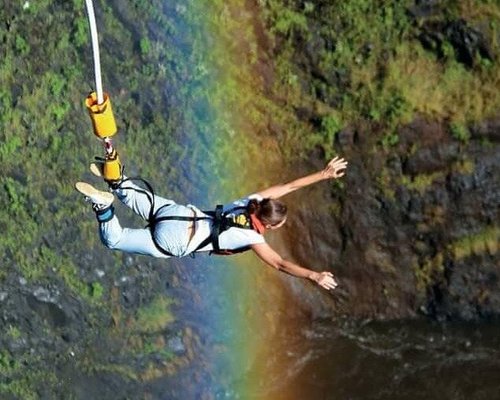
171	235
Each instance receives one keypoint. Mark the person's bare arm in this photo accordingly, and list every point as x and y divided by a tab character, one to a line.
334	169
272	258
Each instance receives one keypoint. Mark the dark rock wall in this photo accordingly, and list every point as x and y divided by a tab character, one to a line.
400	246
414	227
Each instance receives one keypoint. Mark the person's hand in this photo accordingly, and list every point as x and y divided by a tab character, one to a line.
335	168
325	280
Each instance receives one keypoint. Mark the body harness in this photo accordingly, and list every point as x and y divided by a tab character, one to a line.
222	221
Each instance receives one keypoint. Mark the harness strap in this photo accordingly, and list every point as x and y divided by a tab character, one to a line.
158	246
149	193
216	228
220	223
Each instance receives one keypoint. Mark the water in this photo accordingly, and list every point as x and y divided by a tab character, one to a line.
389	360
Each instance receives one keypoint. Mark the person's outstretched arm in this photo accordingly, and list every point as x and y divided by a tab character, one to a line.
272	258
334	169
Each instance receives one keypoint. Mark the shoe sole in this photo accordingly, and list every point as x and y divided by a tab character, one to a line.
96	196
97	169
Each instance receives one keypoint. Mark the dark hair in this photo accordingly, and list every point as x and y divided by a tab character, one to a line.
268	211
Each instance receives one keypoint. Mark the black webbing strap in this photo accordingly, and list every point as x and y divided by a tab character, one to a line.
220	223
216	228
149	193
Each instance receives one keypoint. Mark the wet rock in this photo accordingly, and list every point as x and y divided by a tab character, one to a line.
467	42
123	280
415	210
410	230
48	311
376	256
489	129
306	114
17	345
459	184
422	133
403	197
431	159
130	297
129	261
176	345
312	50
3	296
425	8
473	289
346	137
46	296
100	273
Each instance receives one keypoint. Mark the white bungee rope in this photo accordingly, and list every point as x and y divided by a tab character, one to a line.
95	51
101	112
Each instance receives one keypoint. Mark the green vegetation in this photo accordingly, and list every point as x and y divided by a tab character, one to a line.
139	338
19	381
371	67
485	241
155	317
14	332
96	290
421	182
432	270
460	132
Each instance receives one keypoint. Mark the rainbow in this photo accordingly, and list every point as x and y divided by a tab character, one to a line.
243	302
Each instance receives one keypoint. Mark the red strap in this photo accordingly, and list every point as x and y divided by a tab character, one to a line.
257	225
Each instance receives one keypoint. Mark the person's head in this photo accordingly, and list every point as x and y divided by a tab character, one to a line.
272	213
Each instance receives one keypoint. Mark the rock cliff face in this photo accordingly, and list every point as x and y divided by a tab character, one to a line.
415	226
410	232
435	242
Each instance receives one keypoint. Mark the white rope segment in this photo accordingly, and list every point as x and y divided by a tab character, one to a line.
95	51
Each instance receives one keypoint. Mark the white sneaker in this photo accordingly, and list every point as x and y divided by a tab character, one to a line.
97	168
100	199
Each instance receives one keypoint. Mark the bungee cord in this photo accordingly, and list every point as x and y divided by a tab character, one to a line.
95	51
99	107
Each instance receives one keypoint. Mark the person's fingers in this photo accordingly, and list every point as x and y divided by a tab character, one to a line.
337	160
339	167
332	162
329	286
327	281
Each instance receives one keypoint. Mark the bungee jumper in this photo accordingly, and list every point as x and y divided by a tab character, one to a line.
176	230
